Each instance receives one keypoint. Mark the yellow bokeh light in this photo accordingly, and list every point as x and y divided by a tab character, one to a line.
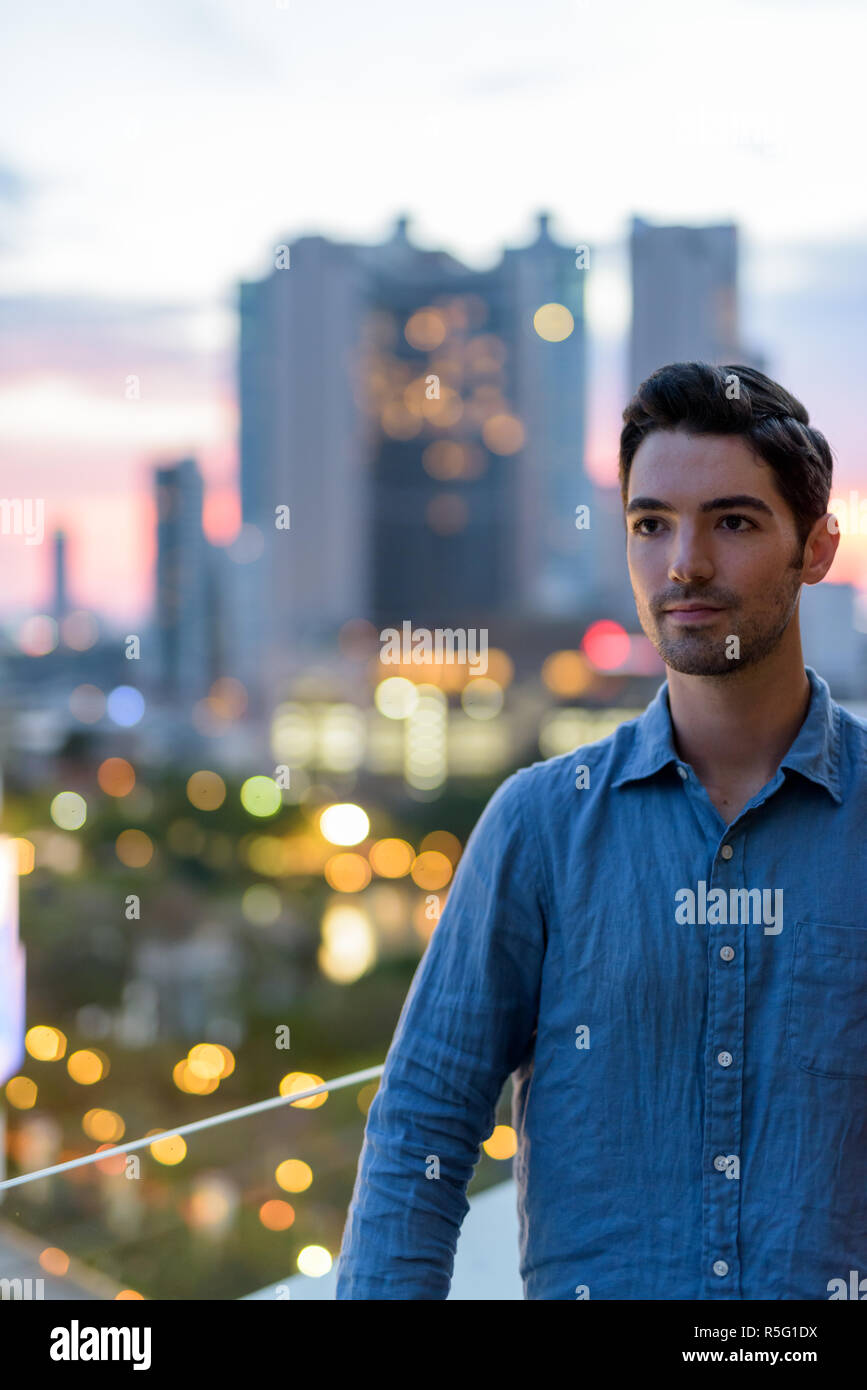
44	1043
293	1175
314	1261
503	434
391	858
116	777
502	1143
170	1150
54	1261
396	697
25	851
128	1296
302	1081
348	943
425	330
206	791
134	848
347	873
567	673
68	810
364	1099
86	1067
105	1126
206	1060
344	824
553	322
260	796
431	870
21	1092
445	842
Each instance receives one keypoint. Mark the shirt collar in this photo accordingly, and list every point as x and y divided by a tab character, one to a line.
815	752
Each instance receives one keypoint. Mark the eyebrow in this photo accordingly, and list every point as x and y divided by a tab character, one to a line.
716	504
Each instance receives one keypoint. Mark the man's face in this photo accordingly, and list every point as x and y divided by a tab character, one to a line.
742	558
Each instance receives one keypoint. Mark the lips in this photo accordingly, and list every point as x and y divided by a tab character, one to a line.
693	615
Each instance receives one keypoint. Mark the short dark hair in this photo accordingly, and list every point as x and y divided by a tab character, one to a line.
691	396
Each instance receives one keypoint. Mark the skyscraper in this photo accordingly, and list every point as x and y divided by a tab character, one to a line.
426	437
183	599
684	297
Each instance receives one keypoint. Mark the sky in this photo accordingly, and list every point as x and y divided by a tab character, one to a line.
152	156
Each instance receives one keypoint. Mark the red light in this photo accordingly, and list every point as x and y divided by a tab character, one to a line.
606	644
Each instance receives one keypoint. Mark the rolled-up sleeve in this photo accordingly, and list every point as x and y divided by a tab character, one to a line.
466	1024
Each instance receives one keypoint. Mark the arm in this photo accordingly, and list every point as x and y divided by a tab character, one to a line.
466	1023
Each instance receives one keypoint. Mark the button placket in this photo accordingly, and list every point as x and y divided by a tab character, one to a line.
724	1083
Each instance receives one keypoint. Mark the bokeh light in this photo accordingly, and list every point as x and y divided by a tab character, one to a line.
344	824
348	946
134	848
502	1143
260	796
21	1092
482	698
444	841
503	434
261	904
206	790
314	1261
45	1043
125	706
567	673
54	1261
106	1126
87	1066
116	777
396	697
391	858
607	645
79	630
276	1215
553	322
68	810
425	330
25	856
347	873
87	704
431	870
37	636
293	1175
303	1081
169	1151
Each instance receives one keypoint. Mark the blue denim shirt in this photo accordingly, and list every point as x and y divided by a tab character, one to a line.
690	1088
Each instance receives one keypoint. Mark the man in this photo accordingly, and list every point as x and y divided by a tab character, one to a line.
663	935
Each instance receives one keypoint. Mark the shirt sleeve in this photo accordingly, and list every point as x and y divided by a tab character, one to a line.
466	1024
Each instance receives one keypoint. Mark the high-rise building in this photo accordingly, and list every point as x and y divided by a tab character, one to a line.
412	440
183	584
684	297
60	602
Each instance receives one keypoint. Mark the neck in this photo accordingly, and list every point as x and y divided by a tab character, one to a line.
738	727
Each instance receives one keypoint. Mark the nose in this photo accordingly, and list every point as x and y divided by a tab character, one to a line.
689	560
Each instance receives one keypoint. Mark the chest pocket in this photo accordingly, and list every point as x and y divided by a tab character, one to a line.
827	1023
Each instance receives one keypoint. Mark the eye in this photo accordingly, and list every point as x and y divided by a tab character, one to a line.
642	521
732	516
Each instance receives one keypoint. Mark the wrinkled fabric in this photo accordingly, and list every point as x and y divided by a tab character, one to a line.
689	1126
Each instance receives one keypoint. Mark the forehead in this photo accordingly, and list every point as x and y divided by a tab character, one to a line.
672	463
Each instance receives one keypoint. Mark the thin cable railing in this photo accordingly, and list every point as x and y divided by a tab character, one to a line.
194	1126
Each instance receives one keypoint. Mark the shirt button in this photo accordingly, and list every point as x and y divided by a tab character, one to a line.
720	1163
726	851
682	773
724	1059
727	952
720	1267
